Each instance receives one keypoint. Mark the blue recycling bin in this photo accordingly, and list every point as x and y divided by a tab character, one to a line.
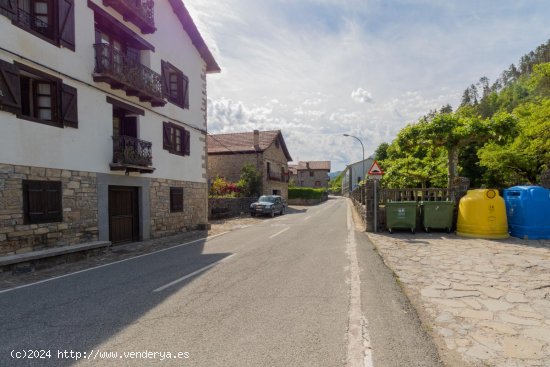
528	212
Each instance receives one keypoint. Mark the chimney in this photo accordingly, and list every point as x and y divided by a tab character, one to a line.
307	165
257	139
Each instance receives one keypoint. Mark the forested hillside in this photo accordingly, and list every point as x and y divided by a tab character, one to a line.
498	136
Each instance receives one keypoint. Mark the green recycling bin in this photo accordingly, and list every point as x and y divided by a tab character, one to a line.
401	214
437	215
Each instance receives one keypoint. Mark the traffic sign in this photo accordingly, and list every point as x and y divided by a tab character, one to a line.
375	169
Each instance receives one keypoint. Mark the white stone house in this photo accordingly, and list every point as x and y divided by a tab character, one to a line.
102	122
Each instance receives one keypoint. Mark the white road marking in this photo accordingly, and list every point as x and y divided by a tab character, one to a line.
359	348
116	262
278	233
192	274
306	218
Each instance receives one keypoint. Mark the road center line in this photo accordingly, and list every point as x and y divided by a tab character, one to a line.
306	218
192	274
278	233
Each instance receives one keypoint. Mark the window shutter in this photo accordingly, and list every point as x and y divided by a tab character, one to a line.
186	142
69	106
10	88
42	201
176	199
165	79
185	82
9	8
52	198
166	136
66	24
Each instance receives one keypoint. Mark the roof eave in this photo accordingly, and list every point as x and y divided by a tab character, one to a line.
191	29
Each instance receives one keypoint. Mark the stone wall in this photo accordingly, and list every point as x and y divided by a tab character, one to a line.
229	166
277	159
193	216
79	210
228	207
305	180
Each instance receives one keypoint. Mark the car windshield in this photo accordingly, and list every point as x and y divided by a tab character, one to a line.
267	199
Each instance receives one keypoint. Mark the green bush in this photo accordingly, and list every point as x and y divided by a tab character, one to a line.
305	193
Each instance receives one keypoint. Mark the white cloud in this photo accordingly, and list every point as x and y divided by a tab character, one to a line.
291	65
361	96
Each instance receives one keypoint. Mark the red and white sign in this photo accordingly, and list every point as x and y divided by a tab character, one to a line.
375	170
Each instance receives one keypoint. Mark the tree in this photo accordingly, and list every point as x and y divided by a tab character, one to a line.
250	182
453	132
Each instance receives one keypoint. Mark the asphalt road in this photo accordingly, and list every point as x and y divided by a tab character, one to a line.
303	289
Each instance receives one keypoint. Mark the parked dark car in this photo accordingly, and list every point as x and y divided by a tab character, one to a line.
268	204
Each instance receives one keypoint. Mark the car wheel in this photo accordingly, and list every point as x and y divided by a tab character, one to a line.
282	210
272	213
252	214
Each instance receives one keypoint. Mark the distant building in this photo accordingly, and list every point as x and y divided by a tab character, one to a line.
355	173
266	150
312	174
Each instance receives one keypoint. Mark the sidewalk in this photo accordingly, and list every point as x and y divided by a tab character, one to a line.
486	300
121	252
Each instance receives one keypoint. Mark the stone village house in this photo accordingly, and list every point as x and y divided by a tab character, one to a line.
311	174
102	122
266	150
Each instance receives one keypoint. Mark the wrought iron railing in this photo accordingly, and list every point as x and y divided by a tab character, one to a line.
128	150
142	9
28	20
126	71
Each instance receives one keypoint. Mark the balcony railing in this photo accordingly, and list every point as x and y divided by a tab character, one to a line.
28	20
278	176
114	67
139	12
132	154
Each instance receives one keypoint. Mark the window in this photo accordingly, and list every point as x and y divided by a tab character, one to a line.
317	183
51	20
175	85
42	201
311	173
36	96
176	199
176	139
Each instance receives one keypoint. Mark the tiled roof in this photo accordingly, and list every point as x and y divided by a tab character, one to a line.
293	168
243	142
324	165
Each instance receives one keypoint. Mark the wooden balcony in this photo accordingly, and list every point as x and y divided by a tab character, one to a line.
132	155
139	12
115	68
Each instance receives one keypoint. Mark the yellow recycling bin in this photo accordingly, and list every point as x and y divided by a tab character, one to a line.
482	214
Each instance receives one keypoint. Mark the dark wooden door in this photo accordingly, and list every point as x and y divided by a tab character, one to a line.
123	214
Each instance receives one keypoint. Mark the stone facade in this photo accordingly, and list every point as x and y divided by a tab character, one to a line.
228	207
79	210
315	178
193	216
229	166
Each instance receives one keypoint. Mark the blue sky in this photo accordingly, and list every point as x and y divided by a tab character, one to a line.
317	69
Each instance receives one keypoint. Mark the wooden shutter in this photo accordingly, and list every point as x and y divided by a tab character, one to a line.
69	106
185	82
186	142
42	201
165	78
167	140
176	199
66	24
8	8
10	88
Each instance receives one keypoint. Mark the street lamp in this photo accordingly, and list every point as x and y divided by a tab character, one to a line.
362	147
